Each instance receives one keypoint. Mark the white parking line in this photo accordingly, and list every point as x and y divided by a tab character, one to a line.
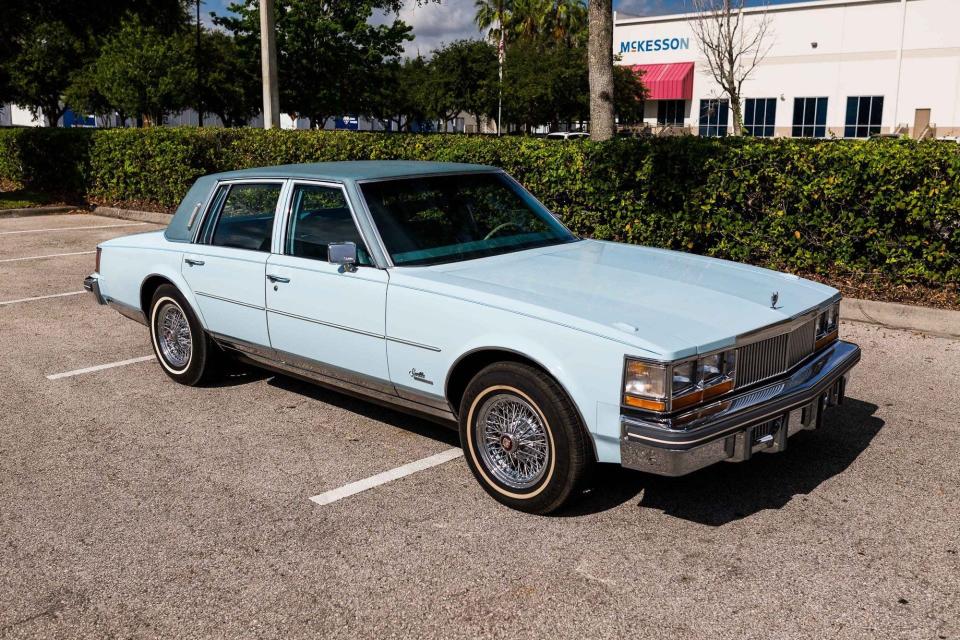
49	255
99	367
99	226
52	295
387	476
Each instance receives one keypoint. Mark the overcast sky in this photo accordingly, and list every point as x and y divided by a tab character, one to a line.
451	20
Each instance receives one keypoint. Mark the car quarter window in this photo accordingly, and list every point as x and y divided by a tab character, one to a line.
243	216
320	215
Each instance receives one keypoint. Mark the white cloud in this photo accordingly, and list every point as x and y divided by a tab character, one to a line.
436	24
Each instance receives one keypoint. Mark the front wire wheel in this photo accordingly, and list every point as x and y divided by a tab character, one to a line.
523	438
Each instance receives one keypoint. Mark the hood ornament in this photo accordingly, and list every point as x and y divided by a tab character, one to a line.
774	298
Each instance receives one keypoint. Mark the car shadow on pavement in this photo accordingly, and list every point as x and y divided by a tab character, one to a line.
414	424
728	492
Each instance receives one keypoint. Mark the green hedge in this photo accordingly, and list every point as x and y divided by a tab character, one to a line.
52	161
884	207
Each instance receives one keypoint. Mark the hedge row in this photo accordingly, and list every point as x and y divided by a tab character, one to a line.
886	207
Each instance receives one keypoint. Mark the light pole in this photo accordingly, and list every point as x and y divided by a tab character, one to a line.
199	85
268	66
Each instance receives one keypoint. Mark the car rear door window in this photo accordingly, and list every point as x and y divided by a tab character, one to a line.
320	215
244	219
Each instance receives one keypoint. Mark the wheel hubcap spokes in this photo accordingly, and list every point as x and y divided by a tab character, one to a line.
513	441
173	334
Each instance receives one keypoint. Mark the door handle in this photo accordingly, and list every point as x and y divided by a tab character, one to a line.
273	278
193	263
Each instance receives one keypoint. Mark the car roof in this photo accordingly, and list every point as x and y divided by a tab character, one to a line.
355	170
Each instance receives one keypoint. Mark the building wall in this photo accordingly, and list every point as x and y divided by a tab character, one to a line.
833	49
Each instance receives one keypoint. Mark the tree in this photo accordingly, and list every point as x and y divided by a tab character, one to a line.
329	54
141	72
41	71
628	95
600	64
545	82
44	45
463	77
731	48
230	86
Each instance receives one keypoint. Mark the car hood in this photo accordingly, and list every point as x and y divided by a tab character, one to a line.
667	303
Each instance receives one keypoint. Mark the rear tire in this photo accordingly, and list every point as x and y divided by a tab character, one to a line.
523	438
184	350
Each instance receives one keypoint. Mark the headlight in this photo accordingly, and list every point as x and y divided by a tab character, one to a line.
828	323
666	387
645	385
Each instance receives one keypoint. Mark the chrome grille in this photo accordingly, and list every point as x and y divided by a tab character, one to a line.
774	356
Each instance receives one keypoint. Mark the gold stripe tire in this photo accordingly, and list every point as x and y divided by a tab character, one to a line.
569	457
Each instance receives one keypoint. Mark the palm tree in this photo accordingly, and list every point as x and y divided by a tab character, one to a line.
492	15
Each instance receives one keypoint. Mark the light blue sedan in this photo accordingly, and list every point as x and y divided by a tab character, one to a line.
448	290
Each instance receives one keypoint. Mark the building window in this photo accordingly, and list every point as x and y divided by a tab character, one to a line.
864	115
671	112
714	115
759	117
810	118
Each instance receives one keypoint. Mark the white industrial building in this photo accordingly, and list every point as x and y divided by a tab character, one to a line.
834	68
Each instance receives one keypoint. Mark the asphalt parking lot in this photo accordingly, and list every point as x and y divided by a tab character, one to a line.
135	507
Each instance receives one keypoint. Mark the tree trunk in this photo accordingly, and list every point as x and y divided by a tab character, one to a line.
52	114
600	63
736	111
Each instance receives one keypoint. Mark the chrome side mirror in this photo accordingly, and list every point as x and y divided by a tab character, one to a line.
344	254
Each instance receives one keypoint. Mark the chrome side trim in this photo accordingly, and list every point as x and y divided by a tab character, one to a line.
222	299
414	344
235	344
327	324
420	397
364	387
127	310
333	373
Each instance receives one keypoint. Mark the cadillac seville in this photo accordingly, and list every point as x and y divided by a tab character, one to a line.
449	291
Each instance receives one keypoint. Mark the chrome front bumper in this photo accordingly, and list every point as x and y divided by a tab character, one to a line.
92	284
735	428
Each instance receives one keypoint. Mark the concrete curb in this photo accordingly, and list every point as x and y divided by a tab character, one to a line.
26	212
131	214
936	322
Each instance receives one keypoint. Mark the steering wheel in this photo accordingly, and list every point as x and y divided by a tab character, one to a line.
497	229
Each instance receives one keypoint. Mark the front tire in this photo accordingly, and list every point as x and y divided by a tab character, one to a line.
523	438
182	347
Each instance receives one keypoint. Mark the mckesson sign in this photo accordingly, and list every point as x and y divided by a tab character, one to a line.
658	44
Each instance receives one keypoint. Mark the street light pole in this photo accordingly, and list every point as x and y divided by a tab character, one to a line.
268	66
199	83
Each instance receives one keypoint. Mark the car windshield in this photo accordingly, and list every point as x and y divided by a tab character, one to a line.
437	219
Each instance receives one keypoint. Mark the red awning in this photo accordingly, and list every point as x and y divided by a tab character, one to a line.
667	81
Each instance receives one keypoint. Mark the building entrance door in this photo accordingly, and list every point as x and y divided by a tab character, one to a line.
921	123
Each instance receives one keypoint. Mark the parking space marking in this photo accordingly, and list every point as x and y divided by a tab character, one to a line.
52	295
99	226
49	255
99	367
359	486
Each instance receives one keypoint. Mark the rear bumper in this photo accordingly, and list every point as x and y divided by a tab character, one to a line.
735	428
92	284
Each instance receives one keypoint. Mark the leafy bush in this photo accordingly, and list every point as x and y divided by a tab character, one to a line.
53	161
887	207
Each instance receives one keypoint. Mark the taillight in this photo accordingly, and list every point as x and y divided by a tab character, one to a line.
97	268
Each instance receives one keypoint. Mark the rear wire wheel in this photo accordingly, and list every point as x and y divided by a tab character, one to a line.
182	347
